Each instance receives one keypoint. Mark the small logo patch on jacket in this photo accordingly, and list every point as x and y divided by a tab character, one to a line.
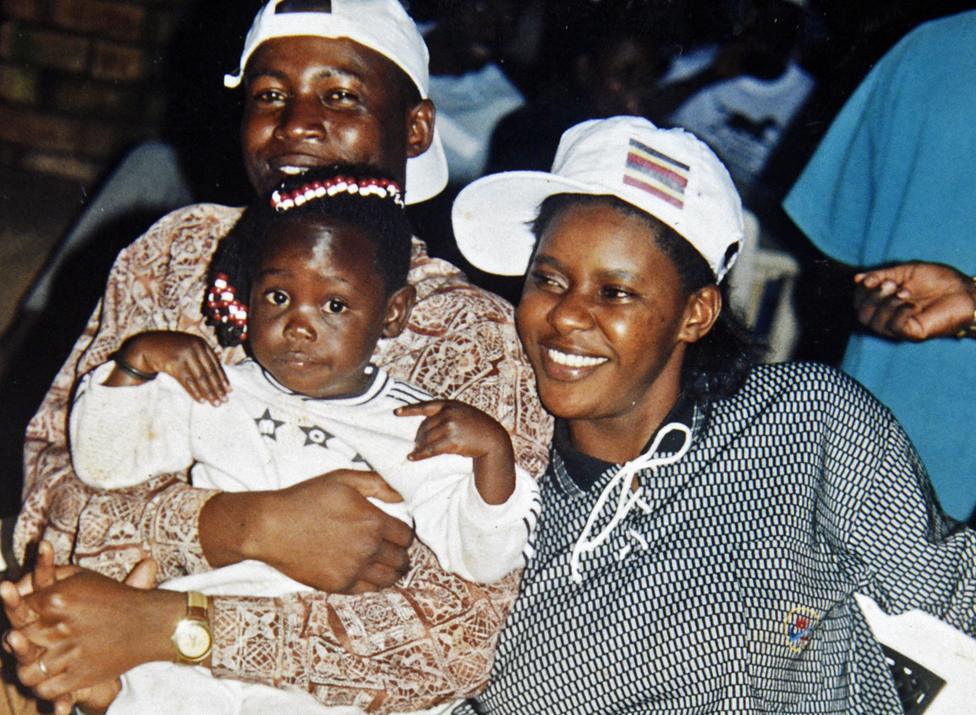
800	624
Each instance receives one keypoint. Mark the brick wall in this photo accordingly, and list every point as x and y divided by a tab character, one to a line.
79	80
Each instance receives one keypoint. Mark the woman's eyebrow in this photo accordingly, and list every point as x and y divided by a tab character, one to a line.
608	274
619	275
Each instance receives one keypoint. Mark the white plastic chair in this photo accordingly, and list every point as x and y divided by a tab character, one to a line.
762	283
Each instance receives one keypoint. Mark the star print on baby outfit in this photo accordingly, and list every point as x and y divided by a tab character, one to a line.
268	425
316	435
320	437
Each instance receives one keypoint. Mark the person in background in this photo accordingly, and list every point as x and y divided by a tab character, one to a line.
610	70
469	82
323	83
741	95
888	185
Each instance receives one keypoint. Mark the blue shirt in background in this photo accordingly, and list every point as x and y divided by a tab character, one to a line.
895	180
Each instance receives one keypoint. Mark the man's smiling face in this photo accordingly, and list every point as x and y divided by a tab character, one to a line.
312	101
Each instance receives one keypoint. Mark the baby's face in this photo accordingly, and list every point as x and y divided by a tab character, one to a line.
317	308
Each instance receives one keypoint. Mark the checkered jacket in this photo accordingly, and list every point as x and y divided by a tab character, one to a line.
728	586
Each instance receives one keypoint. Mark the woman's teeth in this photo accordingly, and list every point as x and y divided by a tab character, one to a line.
570	360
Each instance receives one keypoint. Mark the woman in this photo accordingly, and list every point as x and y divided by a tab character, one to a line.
705	523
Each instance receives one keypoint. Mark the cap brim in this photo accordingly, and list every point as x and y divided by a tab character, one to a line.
427	173
493	217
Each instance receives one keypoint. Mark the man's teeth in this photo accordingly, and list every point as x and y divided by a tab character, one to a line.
561	358
293	170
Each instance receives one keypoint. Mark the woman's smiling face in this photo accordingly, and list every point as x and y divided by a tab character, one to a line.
604	319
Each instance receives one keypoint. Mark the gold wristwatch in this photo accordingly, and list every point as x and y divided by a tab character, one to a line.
192	635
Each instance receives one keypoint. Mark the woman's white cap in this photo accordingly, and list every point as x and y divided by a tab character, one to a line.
384	27
667	173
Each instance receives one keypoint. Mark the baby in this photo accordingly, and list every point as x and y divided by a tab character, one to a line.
309	283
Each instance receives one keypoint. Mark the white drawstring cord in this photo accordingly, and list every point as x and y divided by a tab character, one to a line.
627	496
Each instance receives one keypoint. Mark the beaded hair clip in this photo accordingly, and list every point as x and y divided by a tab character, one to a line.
381	188
223	307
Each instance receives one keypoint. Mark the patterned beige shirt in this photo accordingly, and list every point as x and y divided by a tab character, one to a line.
429	638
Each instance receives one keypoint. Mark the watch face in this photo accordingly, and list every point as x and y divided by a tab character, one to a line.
192	639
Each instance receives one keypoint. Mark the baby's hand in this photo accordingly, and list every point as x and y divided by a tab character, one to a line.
453	427
185	357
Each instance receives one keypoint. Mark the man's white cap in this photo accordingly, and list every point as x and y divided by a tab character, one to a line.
384	27
667	173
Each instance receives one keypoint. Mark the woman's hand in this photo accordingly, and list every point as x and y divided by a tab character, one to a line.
321	532
29	655
186	358
92	701
454	427
93	629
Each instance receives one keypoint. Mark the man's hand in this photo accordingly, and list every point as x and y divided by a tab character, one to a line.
321	532
18	612
915	301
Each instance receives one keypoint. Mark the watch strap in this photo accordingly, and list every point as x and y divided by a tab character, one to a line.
196	605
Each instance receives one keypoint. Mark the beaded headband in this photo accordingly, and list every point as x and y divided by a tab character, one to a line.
381	188
223	307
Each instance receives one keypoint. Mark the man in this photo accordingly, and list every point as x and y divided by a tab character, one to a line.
344	83
889	184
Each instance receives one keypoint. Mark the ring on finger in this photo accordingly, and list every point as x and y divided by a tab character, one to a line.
42	667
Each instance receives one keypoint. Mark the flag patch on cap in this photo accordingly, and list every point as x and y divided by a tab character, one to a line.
656	173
